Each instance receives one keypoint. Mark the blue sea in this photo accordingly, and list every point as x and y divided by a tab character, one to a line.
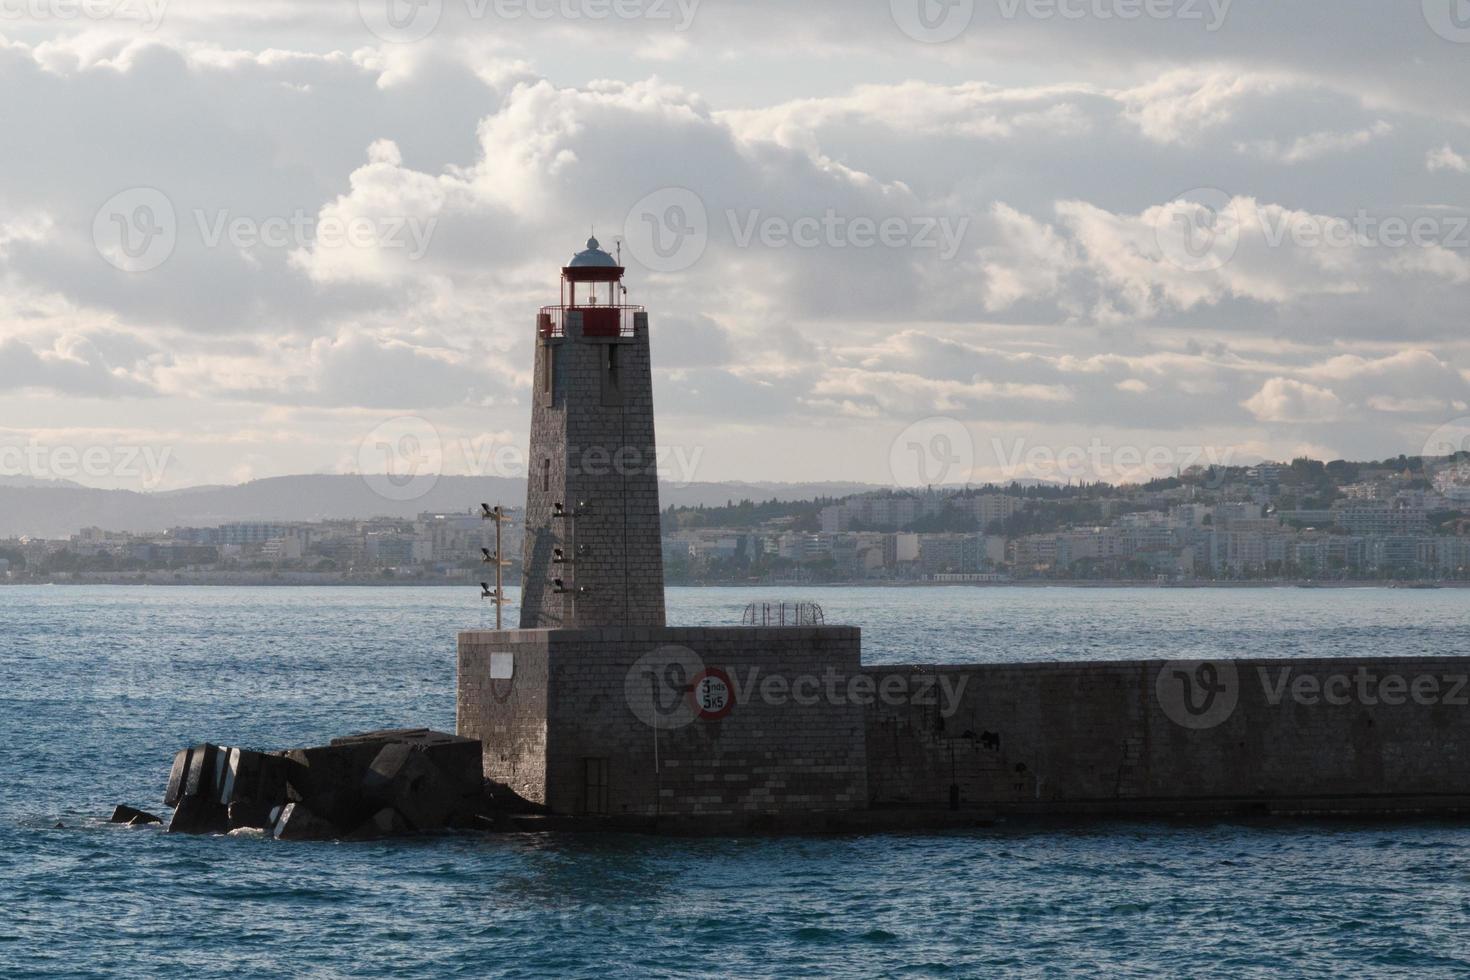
100	685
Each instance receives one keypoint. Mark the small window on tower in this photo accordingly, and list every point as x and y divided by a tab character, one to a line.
549	369
546	476
612	392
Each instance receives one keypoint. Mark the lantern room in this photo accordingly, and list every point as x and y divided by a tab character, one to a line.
592	285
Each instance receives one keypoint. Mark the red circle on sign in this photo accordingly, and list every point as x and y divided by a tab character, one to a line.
712	694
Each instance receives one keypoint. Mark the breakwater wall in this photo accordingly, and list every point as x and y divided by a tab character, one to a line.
660	721
730	725
1318	735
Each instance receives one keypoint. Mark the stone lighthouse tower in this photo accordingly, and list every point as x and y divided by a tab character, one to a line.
595	706
592	550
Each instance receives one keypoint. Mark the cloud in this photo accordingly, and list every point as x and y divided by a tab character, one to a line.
692	341
1286	400
377	231
394	374
1445	158
1320	144
1410	382
1060	150
912	108
1182	105
1029	260
1288	265
72	365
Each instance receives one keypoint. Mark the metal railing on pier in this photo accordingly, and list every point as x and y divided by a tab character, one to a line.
783	614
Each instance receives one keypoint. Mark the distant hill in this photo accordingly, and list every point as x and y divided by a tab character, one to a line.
31	481
56	509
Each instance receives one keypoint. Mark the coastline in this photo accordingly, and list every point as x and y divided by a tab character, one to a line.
228	581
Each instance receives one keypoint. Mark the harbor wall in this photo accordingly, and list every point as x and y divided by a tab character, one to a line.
707	723
667	722
1319	735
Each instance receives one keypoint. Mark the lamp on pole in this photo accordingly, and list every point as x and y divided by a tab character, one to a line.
498	515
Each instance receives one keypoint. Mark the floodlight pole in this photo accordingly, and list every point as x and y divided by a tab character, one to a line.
499	517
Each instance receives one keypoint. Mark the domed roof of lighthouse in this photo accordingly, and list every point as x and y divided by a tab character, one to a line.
593	258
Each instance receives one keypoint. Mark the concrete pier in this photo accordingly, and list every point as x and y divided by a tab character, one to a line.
602	714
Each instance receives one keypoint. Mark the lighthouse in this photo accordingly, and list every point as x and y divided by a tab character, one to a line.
596	709
592	554
595	706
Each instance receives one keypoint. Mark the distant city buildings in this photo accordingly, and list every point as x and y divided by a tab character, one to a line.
1301	520
431	547
1278	521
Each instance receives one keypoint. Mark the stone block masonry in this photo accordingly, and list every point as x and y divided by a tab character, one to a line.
1384	735
807	728
503	692
594	708
667	722
592	512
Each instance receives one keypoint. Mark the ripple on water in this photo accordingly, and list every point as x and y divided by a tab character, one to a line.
102	686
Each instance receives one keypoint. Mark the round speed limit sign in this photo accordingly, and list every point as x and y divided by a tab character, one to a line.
712	694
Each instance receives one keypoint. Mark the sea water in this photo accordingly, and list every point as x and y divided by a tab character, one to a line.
99	686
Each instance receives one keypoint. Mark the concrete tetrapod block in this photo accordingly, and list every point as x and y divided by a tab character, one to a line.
327	780
215	788
383	782
454	754
132	816
254	783
176	778
403	777
204	770
193	791
250	815
297	822
196	815
241	775
387	822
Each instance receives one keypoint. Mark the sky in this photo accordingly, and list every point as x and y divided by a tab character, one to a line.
889	241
